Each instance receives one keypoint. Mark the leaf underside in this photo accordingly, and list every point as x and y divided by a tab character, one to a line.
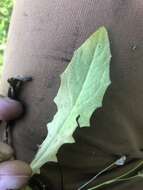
83	85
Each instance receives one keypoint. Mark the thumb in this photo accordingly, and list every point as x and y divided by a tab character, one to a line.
14	174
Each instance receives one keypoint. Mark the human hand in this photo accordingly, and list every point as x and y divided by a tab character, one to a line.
14	174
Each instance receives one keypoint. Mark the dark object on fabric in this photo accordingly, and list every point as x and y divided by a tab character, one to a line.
37	182
42	38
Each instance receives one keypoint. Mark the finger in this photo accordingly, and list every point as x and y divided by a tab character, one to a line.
6	152
10	109
14	174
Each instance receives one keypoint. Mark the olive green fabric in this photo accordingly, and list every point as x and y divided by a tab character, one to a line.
42	38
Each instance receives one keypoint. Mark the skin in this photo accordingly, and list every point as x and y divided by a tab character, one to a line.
10	109
14	174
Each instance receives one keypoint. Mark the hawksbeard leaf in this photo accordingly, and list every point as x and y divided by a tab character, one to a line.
83	85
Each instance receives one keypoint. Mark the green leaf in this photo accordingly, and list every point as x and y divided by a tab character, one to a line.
83	85
5	14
